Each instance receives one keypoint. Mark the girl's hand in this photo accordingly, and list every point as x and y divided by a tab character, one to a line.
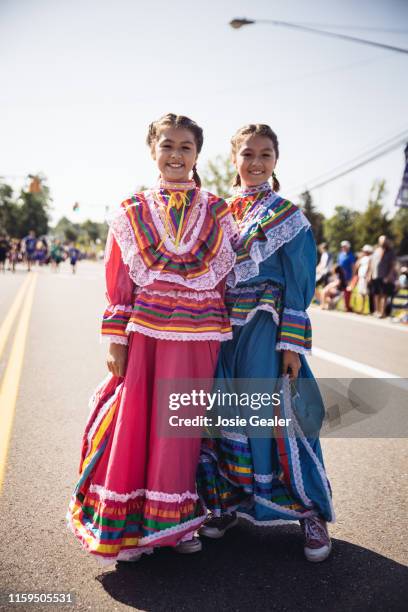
291	364
117	358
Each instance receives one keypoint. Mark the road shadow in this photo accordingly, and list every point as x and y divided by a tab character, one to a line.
254	569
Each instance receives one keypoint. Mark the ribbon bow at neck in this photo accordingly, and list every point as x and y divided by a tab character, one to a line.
178	200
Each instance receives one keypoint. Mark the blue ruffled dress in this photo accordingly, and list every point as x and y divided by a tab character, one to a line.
281	477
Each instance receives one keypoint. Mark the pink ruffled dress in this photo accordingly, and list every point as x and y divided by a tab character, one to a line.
167	257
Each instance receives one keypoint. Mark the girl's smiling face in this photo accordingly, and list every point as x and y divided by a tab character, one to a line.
175	153
255	160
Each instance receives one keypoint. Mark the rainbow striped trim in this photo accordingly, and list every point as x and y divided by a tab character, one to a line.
244	302
108	524
226	478
278	211
180	317
107	528
115	320
295	332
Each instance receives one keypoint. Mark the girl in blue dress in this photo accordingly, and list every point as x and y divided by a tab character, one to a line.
280	478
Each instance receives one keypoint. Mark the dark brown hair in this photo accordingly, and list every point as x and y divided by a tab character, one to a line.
177	121
259	129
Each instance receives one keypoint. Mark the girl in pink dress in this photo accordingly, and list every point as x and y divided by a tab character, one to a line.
167	257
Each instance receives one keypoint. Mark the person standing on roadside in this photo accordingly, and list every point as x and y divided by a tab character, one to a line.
242	475
323	269
363	273
167	257
382	275
346	260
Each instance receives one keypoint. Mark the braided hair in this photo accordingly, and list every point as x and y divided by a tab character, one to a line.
259	129
177	121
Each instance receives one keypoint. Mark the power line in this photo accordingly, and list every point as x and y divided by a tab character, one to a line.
239	23
375	154
350	27
396	139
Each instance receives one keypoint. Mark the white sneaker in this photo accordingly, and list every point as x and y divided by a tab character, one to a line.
189	546
217	526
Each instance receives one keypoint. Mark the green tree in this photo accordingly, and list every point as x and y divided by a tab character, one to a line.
373	222
66	230
34	209
316	218
92	230
218	176
399	228
103	231
8	211
341	226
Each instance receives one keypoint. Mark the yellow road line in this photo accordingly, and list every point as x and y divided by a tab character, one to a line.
8	322
11	379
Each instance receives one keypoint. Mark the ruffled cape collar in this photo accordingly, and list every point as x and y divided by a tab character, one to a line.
266	222
202	257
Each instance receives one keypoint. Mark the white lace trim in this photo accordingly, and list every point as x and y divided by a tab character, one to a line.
218	268
320	468
256	288
273	506
252	313
188	525
265	478
296	313
286	346
258	252
297	471
115	307
126	554
104	493
108	339
199	296
178	336
231	435
295	427
230	228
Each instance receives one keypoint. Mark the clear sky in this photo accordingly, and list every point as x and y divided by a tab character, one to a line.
81	81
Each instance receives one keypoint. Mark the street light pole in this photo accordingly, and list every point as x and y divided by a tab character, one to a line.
239	23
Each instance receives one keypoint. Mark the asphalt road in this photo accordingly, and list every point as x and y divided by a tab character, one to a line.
250	569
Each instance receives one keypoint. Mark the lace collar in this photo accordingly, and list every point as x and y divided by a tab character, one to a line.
171	186
248	191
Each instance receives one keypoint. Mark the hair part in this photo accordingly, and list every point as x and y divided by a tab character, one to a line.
177	121
255	129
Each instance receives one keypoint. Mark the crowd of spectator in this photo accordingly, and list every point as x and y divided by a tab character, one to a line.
375	275
32	250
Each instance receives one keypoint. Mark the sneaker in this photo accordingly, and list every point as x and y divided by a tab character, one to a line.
189	546
316	538
132	559
217	526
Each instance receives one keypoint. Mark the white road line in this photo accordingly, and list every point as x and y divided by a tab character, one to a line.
357	366
399	327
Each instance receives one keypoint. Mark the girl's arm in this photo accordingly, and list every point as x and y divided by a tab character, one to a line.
119	293
298	258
